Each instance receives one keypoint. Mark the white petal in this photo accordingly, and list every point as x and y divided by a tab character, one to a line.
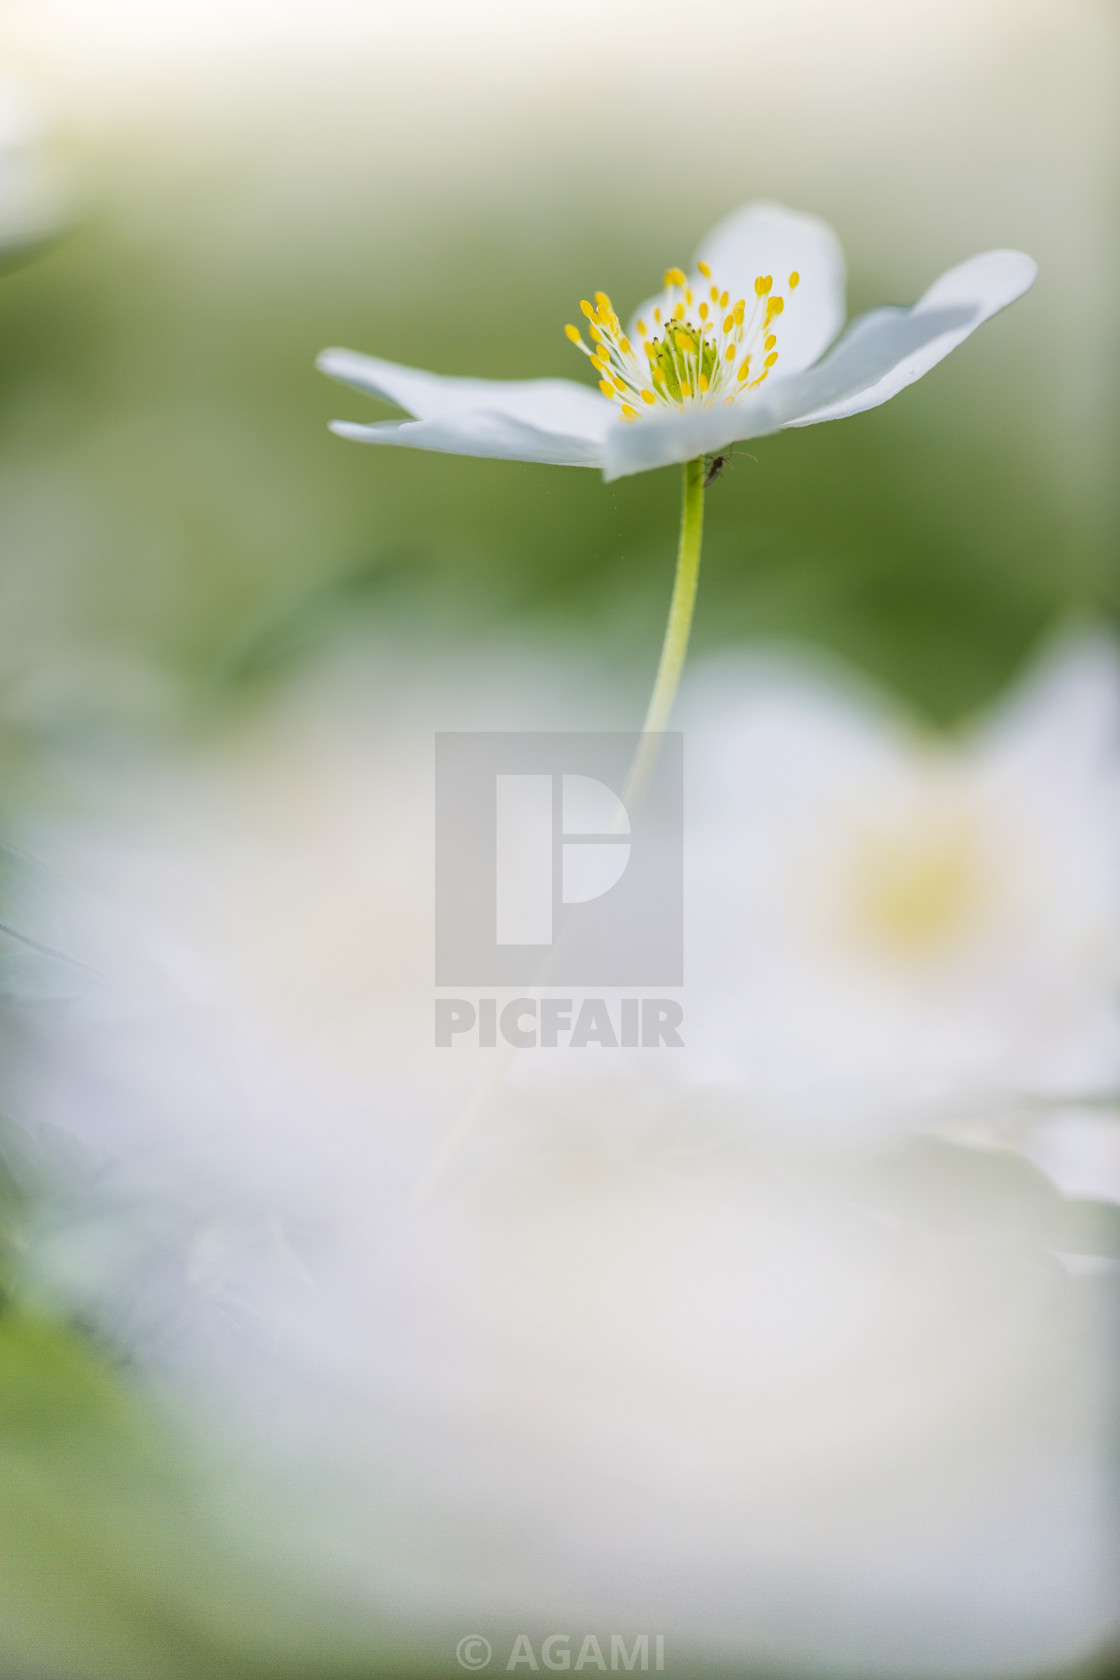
981	287
500	437
875	345
765	238
548	405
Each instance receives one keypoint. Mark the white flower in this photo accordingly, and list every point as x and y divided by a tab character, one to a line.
886	922
732	351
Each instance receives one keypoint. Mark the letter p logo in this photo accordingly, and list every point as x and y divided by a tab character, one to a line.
532	837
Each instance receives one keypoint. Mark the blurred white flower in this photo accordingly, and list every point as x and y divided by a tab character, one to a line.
685	379
639	1361
886	923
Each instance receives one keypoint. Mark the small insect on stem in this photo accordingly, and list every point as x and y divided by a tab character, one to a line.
714	464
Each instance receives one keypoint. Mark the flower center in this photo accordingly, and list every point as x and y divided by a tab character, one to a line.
697	347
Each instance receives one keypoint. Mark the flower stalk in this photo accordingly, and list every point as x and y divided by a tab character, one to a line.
677	631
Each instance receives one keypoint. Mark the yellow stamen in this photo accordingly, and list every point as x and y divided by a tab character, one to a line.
771	359
703	382
793	279
775	306
723	297
607	390
686	390
588	309
629	413
705	270
714	294
674	277
642	328
678	312
648	397
770	342
728	322
729	354
703	312
688	297
573	334
683	341
763	283
624	346
744	370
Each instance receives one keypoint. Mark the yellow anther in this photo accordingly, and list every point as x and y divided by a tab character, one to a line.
657	313
588	309
650	351
595	335
771	359
703	312
678	312
775	306
769	342
723	297
744	369
674	277
686	390
602	300
684	342
658	375
705	270
598	362
714	294
573	334
739	311
793	279
763	283
642	328
729	353
619	384
648	397
629	413
607	390
728	322
688	297
624	346
703	382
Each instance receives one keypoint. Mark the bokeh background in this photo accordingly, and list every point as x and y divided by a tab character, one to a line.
200	197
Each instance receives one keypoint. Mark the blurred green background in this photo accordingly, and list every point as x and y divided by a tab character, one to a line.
236	188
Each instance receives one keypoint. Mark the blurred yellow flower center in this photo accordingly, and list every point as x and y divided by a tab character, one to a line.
697	346
918	884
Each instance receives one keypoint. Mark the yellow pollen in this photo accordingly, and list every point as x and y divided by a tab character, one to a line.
775	306
624	346
714	294
728	322
573	334
602	300
598	362
683	341
703	312
686	390
588	309
739	311
674	277
705	270
620	385
763	284
659	376
607	390
771	359
688	297
703	382
730	353
744	370
648	397
770	342
657	313
642	328
723	297
629	413
678	312
793	279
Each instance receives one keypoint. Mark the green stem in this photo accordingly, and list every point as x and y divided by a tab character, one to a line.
677	630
